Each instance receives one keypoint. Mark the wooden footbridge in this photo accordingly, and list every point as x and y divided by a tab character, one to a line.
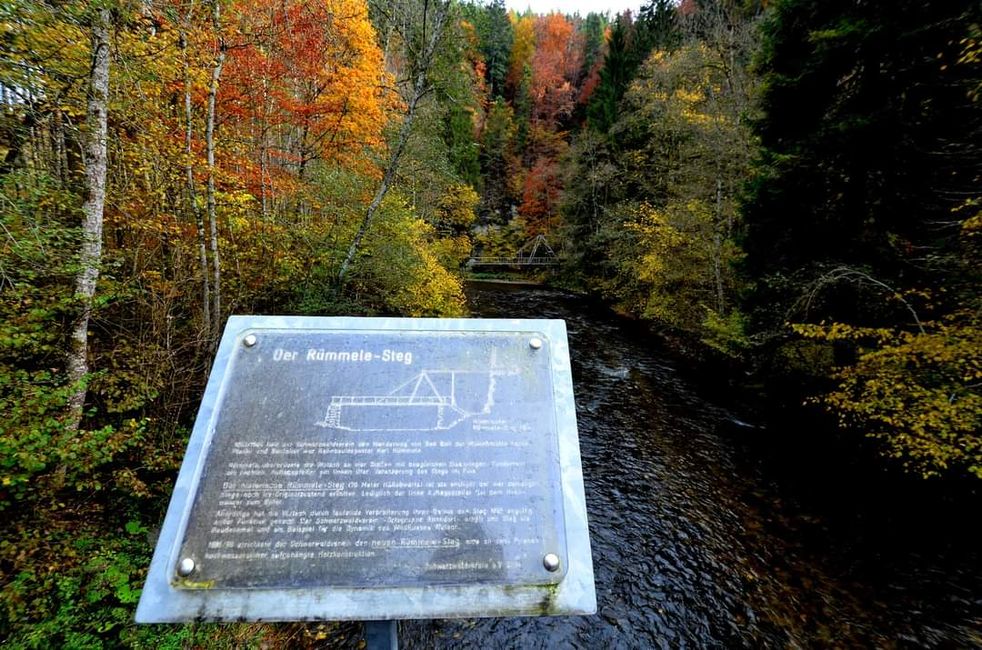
535	252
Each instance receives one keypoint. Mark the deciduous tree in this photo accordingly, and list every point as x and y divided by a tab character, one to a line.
95	159
421	27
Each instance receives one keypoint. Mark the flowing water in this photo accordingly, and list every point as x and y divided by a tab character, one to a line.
701	538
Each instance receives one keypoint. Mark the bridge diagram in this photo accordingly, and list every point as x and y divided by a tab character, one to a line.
432	400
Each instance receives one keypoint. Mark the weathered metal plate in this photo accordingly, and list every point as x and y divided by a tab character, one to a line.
379	459
378	468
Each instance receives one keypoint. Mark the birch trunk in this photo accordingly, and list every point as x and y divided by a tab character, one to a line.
216	75
90	254
192	196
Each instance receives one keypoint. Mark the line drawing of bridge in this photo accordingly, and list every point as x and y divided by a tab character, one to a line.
535	252
427	402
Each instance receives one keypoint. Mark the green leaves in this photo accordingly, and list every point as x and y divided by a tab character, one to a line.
134	527
656	201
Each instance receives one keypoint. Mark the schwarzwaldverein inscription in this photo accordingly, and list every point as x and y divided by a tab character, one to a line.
379	459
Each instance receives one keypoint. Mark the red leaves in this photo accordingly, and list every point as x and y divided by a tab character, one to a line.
556	65
540	196
307	77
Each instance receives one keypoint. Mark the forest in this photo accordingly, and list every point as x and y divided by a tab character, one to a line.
792	188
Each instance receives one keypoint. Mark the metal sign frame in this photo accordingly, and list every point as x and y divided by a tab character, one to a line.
163	602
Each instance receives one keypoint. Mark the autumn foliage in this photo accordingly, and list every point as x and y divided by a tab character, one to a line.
243	147
306	82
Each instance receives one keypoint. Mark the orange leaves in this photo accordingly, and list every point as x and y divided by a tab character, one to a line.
540	196
307	78
547	54
556	65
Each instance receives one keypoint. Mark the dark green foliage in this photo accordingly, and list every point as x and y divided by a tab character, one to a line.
593	28
630	42
88	601
522	104
870	140
658	27
864	217
458	100
462	148
616	74
36	263
494	31
498	162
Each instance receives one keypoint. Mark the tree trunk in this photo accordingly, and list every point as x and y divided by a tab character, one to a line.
718	247
58	141
216	75
383	188
192	196
90	253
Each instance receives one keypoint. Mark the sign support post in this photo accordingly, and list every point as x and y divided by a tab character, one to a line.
381	635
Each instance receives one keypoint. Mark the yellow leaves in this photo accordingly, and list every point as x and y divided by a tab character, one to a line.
917	393
690	96
971	229
844	332
666	231
45	53
457	206
971	49
686	88
672	256
523	46
399	270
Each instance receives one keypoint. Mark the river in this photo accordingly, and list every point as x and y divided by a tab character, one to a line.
704	537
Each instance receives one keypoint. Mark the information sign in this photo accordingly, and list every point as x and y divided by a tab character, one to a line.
347	468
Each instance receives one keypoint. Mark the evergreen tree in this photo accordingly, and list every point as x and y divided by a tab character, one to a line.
869	142
861	222
658	27
497	162
618	70
630	43
495	36
462	149
593	28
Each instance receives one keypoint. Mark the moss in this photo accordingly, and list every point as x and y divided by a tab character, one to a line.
187	583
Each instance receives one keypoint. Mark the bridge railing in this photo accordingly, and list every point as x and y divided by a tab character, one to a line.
512	261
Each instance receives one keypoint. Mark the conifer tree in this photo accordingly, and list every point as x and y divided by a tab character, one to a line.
870	140
630	42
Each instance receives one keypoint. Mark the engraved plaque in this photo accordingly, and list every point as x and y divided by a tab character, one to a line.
378	468
380	459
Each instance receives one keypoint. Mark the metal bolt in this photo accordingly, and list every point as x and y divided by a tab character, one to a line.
186	567
535	343
550	562
250	340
